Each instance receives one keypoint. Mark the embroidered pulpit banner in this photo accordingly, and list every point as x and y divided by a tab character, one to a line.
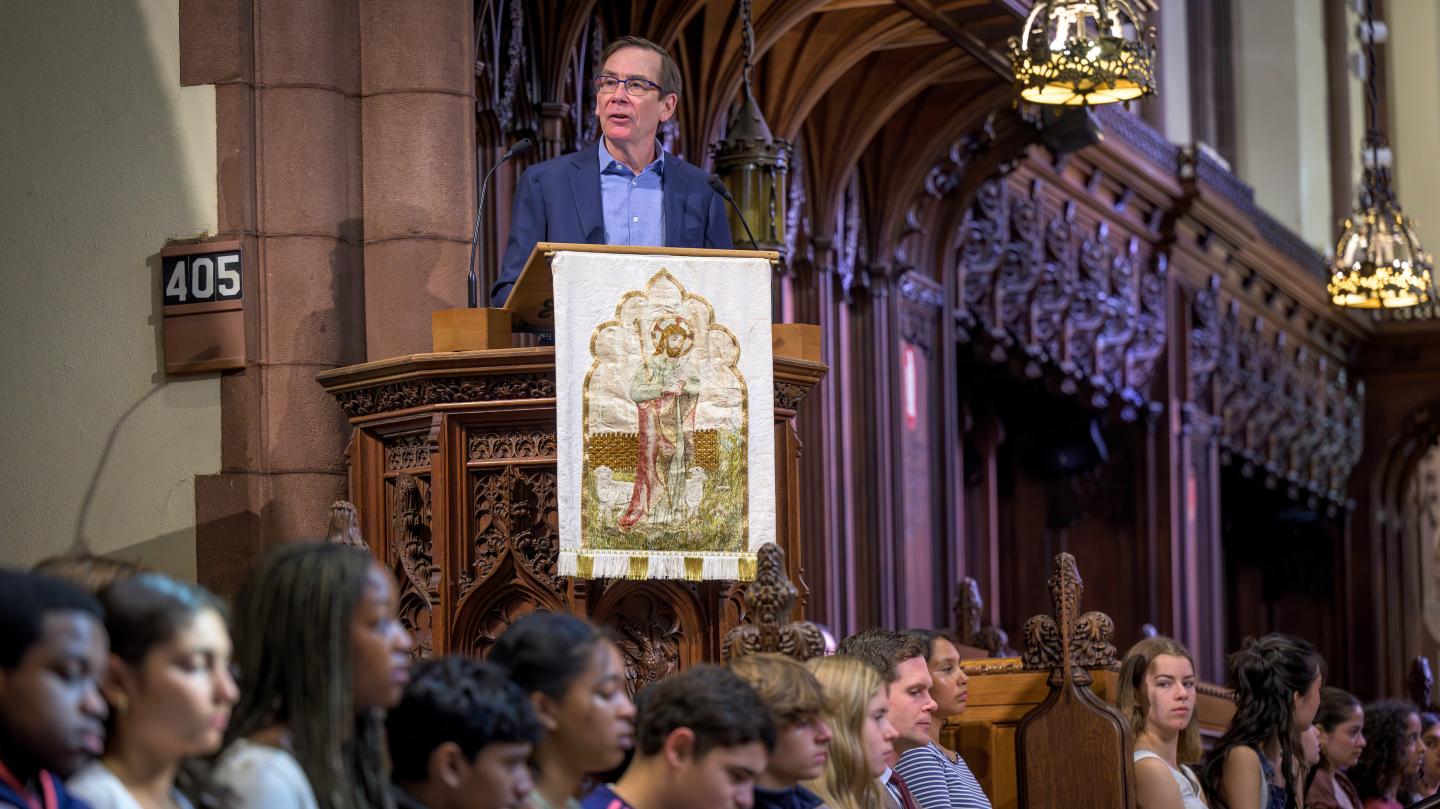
665	415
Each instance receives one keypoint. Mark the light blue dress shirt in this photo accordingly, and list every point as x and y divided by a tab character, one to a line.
634	204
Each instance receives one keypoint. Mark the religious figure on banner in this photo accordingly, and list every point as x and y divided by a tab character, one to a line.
665	424
666	389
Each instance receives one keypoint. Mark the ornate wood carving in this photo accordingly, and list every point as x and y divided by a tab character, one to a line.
1420	683
410	393
1068	639
514	512
770	601
517	444
407	452
970	627
651	621
412	551
344	526
921	303
1098	772
1285	417
1093	317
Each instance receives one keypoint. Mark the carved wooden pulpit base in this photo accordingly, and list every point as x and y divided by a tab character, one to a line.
452	470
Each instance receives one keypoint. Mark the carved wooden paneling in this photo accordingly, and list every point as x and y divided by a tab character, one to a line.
1090	315
412	549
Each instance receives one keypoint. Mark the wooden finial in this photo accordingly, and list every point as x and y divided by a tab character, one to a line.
344	527
969	622
1068	642
768	604
1421	683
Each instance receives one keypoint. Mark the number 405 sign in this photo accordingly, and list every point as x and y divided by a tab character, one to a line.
202	278
203	290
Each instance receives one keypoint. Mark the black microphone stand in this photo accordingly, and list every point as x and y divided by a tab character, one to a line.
472	281
719	186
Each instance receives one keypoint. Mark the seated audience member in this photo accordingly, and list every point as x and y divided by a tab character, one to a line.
87	571
863	742
1310	756
702	737
575	680
321	656
1341	721
1427	780
1393	752
169	688
461	738
802	735
1156	693
900	659
1256	763
52	654
937	776
831	645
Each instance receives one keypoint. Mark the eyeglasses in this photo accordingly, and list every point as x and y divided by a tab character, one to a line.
634	87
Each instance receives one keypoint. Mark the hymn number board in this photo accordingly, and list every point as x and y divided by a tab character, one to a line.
201	278
202	291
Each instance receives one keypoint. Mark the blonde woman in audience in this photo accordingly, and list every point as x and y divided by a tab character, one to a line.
1157	695
863	738
1341	722
937	776
321	657
169	688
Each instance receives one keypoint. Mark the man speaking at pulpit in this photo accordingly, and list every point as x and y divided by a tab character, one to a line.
626	189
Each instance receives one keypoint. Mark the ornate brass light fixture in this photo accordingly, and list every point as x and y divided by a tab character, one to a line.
1378	261
1076	53
753	162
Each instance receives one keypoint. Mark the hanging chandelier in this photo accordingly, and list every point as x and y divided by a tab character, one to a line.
1083	53
1378	261
751	161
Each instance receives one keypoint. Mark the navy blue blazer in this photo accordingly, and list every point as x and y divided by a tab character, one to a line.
559	201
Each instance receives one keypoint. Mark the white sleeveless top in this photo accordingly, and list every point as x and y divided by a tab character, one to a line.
1184	779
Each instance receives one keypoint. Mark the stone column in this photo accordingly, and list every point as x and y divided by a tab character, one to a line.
417	141
286	76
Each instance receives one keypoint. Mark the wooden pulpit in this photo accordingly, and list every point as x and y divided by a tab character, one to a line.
452	463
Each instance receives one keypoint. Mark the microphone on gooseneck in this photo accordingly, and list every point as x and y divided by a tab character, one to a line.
472	280
719	186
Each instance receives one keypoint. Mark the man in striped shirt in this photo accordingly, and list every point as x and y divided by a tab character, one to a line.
900	659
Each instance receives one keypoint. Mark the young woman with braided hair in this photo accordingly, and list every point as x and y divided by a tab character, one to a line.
1256	764
1393	752
321	657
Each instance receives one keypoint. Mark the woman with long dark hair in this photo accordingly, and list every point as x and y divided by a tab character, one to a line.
1256	764
321	656
1341	720
1157	694
169	687
576	681
1392	753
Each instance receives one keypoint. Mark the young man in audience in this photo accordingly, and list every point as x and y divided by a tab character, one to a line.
461	738
802	736
53	649
900	659
702	738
